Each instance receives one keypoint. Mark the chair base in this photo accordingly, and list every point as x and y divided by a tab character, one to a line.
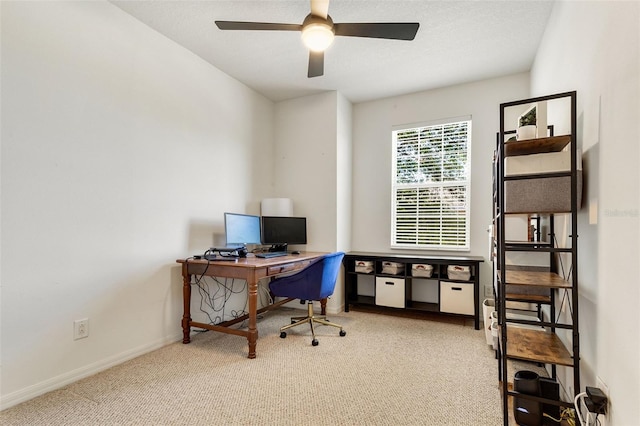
310	319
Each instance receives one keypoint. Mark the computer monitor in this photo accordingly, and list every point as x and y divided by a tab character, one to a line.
241	229
279	231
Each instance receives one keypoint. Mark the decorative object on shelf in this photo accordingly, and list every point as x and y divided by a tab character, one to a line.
527	125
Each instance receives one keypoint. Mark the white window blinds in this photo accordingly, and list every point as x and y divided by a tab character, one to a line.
430	190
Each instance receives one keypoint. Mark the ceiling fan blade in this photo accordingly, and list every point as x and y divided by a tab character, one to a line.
316	64
320	8
389	30
264	26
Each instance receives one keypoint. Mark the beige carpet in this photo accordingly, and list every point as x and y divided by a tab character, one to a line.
386	371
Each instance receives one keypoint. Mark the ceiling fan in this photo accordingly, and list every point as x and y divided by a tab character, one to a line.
318	31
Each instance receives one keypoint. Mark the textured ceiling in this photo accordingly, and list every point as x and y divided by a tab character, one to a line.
458	42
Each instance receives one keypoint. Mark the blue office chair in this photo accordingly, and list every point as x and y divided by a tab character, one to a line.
316	282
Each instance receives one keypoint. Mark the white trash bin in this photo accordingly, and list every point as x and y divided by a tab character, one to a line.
494	331
488	306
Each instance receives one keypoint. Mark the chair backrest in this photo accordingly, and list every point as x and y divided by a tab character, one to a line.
315	282
330	268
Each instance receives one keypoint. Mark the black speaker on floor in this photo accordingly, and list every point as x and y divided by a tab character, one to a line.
550	389
526	411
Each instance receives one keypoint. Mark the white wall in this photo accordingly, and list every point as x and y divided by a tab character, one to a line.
594	48
312	167
112	140
305	163
372	126
344	184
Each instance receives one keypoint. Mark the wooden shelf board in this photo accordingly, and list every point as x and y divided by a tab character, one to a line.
533	298
535	279
413	313
536	146
423	306
537	345
369	300
527	243
515	212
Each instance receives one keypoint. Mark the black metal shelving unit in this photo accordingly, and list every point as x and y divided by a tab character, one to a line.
555	339
410	283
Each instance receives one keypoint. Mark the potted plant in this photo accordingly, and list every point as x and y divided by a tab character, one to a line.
527	125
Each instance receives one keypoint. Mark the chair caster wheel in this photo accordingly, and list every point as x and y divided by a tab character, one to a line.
283	334
343	333
314	342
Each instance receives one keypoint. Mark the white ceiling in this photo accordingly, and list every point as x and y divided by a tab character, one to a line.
458	42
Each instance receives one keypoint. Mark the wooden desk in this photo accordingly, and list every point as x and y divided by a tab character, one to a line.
251	269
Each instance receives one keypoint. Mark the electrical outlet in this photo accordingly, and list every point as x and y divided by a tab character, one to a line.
602	418
488	291
80	328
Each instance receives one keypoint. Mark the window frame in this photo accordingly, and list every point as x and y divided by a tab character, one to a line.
464	183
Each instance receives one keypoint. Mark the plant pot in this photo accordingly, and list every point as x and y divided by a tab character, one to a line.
526	132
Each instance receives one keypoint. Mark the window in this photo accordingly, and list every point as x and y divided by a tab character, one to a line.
431	186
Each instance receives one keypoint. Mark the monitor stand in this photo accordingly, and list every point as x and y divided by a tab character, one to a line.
278	247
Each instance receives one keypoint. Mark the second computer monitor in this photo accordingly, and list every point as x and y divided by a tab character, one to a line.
241	229
280	231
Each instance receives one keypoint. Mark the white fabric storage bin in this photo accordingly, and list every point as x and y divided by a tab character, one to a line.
455	272
364	266
547	162
456	298
494	333
390	292
421	270
393	268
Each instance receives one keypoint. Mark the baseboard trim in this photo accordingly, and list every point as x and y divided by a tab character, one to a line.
54	383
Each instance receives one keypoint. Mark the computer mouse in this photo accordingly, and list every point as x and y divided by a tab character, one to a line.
295	252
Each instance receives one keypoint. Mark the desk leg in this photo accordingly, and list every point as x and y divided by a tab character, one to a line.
252	284
323	306
186	299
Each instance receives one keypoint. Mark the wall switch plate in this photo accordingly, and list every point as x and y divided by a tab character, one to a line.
80	328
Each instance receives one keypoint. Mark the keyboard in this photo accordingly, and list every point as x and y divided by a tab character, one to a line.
271	254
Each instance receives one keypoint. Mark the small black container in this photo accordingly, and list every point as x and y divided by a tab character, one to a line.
527	412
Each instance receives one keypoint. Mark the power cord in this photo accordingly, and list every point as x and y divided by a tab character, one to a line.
584	398
213	301
567	415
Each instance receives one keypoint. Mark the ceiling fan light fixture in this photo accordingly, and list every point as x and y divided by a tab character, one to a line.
317	36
